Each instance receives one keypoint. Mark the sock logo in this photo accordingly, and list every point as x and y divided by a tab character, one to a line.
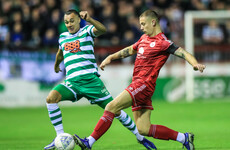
104	119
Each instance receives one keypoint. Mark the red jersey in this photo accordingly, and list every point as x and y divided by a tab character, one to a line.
151	56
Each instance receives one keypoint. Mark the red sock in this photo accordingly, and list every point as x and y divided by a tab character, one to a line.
162	132
103	125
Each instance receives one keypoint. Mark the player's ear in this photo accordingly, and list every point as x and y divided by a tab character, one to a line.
153	22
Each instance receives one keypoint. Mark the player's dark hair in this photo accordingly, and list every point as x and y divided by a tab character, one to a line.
70	11
150	13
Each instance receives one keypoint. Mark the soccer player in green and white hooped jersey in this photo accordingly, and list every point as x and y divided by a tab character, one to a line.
82	78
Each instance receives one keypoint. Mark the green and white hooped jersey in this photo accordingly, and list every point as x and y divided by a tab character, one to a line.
78	52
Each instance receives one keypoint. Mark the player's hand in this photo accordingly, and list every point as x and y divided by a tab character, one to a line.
57	69
199	67
85	15
105	62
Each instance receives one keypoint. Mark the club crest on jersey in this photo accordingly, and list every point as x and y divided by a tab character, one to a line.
152	44
141	50
81	33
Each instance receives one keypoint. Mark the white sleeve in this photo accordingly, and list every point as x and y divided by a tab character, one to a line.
90	31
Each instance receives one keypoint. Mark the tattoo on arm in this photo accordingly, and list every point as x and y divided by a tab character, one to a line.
124	53
180	53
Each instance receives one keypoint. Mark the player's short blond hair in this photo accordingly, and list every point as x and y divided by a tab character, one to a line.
150	13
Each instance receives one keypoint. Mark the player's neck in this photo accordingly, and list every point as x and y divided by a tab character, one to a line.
157	31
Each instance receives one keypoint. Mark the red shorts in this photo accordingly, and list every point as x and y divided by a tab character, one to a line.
141	95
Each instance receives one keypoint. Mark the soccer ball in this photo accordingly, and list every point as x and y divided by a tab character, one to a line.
64	141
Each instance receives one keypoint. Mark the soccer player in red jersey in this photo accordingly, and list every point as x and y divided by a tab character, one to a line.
153	50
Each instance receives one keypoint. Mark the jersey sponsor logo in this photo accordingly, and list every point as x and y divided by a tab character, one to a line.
73	47
140	53
141	50
152	44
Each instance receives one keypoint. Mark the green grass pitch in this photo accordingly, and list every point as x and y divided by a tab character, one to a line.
30	128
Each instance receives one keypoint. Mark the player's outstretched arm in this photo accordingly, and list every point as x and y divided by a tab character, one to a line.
180	52
58	60
99	27
125	52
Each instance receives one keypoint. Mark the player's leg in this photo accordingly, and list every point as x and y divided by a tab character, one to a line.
97	93
142	119
60	92
54	114
54	111
122	101
143	129
128	123
142	115
124	119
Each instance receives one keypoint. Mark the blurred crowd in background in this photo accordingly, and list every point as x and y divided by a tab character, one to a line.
32	25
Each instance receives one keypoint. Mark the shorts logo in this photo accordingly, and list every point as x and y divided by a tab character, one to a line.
141	50
152	44
104	90
130	88
139	89
68	84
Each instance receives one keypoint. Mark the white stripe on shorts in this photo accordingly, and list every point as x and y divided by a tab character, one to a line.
103	98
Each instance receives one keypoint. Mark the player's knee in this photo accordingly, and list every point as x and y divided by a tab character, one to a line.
53	98
50	100
111	107
108	107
